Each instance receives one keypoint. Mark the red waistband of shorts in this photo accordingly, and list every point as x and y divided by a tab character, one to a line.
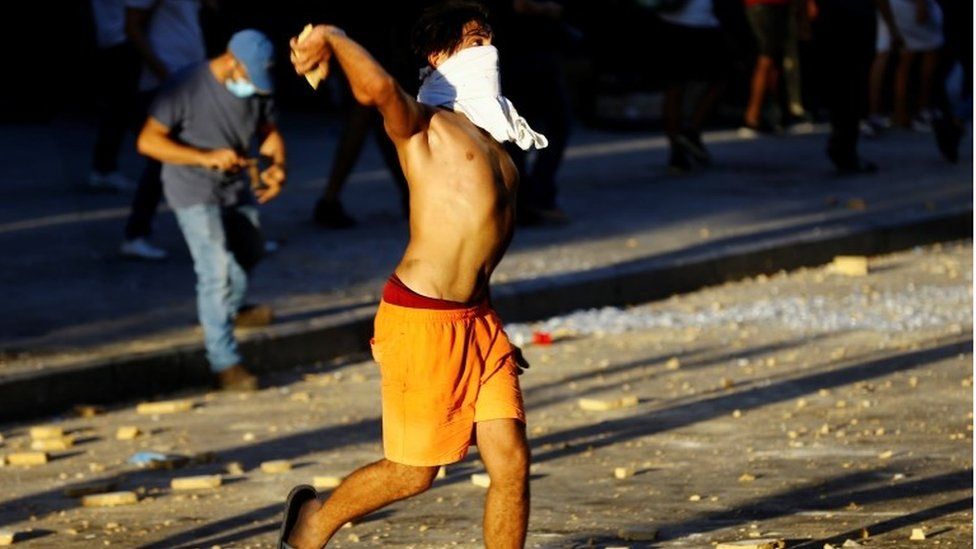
408	306
395	292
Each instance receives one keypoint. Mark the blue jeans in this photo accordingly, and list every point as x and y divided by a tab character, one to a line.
221	281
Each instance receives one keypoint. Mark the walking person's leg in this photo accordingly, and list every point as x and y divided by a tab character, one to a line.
365	490
505	453
762	77
203	230
927	80
328	210
903	116
118	69
769	26
876	84
553	117
791	62
671	114
145	202
846	41
248	225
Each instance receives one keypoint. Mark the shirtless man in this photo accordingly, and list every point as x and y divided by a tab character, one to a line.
449	373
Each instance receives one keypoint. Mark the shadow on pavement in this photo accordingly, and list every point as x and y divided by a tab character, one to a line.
614	431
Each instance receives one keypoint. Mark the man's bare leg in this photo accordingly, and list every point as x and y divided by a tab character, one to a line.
505	453
367	489
763	82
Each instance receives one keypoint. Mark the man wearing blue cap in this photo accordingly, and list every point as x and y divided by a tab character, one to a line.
201	127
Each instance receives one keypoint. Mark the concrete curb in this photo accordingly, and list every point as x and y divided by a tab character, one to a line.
281	347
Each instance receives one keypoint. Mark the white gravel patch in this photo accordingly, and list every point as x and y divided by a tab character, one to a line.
884	311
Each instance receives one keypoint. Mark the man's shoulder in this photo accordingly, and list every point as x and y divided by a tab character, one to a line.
191	76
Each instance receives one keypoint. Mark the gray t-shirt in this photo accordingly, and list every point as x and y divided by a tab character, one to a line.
202	113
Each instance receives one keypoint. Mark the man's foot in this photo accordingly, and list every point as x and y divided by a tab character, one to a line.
300	533
678	164
746	131
693	145
922	122
847	161
763	128
140	248
237	378
331	215
109	182
874	125
798	123
253	316
948	134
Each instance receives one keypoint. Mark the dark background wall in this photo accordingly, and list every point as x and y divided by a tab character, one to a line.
617	50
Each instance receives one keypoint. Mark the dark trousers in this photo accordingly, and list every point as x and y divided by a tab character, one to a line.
118	73
958	30
535	84
845	35
149	191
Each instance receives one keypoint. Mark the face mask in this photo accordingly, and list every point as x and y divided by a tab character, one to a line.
241	88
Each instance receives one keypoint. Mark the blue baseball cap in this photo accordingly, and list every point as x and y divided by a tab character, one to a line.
253	49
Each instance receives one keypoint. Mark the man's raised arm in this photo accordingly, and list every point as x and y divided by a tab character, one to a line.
371	84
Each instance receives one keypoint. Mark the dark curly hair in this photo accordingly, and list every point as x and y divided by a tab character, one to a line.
441	26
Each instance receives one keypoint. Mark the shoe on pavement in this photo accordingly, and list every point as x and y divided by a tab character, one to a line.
948	134
679	163
331	215
748	132
868	129
254	316
237	378
109	181
140	248
693	145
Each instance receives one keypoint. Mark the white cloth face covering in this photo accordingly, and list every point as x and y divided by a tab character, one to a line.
468	83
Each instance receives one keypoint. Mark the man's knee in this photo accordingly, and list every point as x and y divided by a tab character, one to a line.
413	480
511	449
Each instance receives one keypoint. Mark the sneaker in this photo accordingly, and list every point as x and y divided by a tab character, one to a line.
748	132
800	123
237	378
140	248
253	316
678	164
922	122
331	215
868	130
691	142
948	134
109	181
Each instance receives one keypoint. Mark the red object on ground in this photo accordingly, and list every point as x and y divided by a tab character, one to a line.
541	338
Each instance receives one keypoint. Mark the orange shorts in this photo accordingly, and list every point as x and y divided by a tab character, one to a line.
442	371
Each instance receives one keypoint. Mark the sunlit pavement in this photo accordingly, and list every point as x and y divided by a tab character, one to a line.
810	407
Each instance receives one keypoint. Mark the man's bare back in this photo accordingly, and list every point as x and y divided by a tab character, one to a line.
462	204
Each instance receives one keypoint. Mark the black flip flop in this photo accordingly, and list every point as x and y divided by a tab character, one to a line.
298	496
